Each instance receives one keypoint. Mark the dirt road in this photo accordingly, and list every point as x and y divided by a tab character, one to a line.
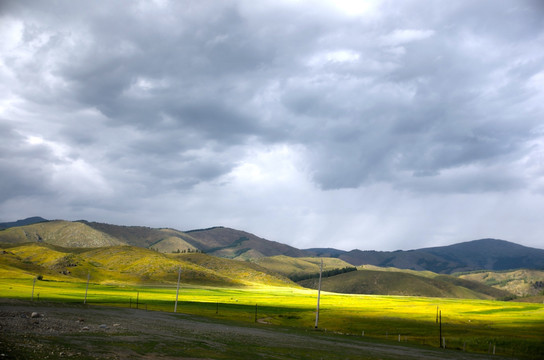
76	332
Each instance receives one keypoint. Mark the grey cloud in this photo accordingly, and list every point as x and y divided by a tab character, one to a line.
159	102
338	111
21	163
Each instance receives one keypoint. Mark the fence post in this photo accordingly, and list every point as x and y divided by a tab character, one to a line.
177	291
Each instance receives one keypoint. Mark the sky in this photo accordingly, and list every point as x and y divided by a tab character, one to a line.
376	125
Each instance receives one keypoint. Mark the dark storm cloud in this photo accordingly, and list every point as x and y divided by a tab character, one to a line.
109	102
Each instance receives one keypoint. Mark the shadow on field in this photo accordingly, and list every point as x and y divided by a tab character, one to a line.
59	331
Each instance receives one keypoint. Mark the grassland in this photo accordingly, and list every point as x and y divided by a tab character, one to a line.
513	328
59	232
244	293
290	266
520	282
129	264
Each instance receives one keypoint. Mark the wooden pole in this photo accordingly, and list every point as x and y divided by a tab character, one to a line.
177	291
318	294
255	312
87	287
137	299
440	327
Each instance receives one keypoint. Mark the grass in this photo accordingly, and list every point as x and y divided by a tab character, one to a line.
519	282
290	266
128	264
471	324
405	284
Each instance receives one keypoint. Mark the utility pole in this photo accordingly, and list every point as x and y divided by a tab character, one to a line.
440	329
177	291
318	294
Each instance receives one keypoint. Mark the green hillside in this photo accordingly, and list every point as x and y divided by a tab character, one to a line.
60	233
164	239
91	234
405	284
218	241
289	266
173	244
466	283
519	282
128	264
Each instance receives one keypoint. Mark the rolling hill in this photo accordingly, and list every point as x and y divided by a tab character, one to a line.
484	254
218	241
60	233
296	267
404	284
519	282
236	244
163	239
116	253
129	264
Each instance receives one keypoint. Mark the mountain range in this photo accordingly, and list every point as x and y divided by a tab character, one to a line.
484	254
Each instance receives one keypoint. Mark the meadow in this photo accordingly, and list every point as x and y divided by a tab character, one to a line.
508	328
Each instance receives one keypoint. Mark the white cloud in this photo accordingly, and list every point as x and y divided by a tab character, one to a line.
338	56
354	7
403	36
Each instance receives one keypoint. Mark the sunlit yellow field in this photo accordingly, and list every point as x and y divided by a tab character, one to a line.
473	325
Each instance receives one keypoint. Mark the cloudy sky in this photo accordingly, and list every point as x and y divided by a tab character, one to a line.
349	124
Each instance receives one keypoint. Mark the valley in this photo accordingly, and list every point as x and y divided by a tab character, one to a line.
233	277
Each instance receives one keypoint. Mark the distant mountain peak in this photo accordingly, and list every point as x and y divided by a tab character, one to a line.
23	222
